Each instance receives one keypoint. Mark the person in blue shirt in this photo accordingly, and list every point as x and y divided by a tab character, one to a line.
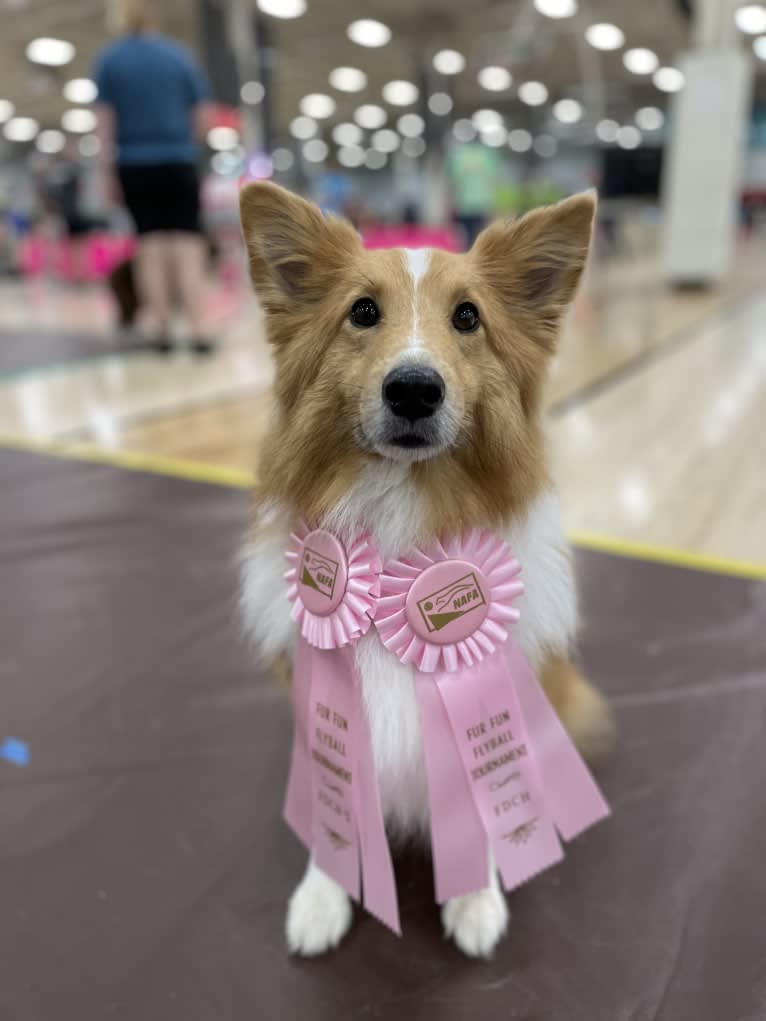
152	98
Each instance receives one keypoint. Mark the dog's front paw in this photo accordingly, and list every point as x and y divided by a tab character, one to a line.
477	921
318	915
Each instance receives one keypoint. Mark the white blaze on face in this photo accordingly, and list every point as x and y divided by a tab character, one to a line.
417	264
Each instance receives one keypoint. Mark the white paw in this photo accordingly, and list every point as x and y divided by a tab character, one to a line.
318	915
477	921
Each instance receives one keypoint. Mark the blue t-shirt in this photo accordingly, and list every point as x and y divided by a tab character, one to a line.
153	85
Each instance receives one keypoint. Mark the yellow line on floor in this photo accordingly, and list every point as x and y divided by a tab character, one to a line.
196	471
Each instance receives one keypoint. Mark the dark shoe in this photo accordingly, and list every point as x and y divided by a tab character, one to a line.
161	346
202	347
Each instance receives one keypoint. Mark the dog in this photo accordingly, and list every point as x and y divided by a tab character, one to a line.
408	391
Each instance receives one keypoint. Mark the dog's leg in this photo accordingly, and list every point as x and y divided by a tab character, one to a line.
318	915
581	708
478	920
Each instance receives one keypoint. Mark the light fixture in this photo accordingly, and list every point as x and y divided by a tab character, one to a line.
51	141
370	116
90	145
368	32
640	60
413	147
51	52
21	129
606	130
348	79
440	103
494	78
315	150
759	48
303	127
282	8
520	140
483	120
545	146
351	156
449	62
533	93
385	140
282	159
347	134
252	93
751	19
669	79
605	36
400	93
568	111
220	138
411	125
495	136
375	160
463	130
317	105
628	137
650	118
78	121
7	110
557	8
80	90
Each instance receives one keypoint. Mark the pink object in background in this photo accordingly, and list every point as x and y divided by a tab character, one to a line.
407	236
98	255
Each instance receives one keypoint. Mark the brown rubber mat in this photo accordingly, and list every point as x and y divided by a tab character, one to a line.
24	351
144	867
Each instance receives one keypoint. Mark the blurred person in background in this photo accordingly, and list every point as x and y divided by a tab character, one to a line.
152	98
61	193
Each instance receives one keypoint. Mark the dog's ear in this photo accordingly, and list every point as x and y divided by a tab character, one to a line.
536	262
293	249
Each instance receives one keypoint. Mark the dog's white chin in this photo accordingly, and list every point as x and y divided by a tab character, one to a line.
409	455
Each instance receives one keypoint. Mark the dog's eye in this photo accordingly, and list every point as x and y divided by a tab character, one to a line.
364	313
465	318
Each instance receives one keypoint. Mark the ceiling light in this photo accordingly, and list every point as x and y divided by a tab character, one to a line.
90	145
220	138
495	136
751	19
51	141
80	90
463	130
282	160
252	93
400	93
449	62
78	121
282	8
367	32
520	140
317	105
351	156
640	60
759	48
568	111
668	79
411	125
494	78
348	79
51	52
375	160
545	146
385	140
556	8
347	134
441	104
303	127
533	93
315	150
370	116
413	147
605	36
483	120
21	129
628	137
7	110
606	130
650	118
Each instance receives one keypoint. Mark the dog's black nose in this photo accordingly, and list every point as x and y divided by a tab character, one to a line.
413	391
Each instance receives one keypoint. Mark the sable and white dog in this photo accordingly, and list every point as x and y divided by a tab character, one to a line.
408	404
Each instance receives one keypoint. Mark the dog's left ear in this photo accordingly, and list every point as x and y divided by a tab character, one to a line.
536	262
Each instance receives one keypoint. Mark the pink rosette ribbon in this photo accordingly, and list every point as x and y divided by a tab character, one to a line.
332	802
502	772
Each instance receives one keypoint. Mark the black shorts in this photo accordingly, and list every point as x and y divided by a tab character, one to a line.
162	197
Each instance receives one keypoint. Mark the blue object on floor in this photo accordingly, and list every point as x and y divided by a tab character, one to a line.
14	751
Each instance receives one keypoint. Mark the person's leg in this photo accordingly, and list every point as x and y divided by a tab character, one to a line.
189	253
154	283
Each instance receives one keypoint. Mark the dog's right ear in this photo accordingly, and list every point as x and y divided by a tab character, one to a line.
294	250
